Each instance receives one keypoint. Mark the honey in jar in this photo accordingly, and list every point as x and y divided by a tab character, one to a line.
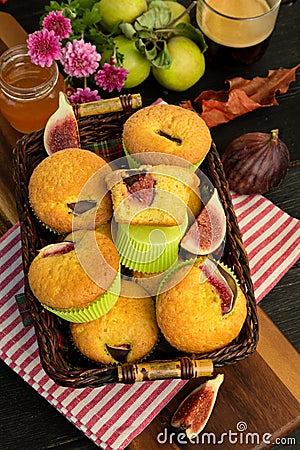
28	93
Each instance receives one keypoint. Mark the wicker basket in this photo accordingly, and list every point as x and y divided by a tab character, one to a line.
58	357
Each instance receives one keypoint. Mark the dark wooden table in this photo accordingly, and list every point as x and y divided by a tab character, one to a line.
27	420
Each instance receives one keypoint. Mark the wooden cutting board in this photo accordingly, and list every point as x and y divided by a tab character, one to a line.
258	401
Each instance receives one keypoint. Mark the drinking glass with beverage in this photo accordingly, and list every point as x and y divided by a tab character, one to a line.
237	32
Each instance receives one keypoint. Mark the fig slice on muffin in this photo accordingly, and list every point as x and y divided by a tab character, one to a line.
222	281
197	312
151	195
119	352
140	185
81	206
59	248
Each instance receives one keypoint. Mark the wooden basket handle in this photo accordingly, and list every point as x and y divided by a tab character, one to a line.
184	368
110	105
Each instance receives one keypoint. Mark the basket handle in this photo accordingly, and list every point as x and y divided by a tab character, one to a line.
109	105
184	368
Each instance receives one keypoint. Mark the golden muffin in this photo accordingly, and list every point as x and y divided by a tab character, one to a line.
198	313
74	278
67	190
126	333
167	129
149	281
151	195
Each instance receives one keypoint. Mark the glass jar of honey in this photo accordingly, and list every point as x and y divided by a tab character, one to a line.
28	93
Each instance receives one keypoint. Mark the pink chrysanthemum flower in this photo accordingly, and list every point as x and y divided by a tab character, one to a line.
43	47
84	96
111	77
79	58
56	22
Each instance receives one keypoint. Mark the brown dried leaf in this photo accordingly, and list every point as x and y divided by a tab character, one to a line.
243	96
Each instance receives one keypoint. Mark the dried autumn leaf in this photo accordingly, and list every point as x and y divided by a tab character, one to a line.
243	96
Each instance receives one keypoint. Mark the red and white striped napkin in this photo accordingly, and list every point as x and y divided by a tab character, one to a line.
113	415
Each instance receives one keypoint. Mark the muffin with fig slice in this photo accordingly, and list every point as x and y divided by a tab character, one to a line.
77	280
201	307
67	190
128	332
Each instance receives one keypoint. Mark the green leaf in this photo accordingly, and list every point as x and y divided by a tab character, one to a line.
141	46
150	52
158	15
92	16
87	19
128	30
163	59
146	35
86	4
189	31
53	6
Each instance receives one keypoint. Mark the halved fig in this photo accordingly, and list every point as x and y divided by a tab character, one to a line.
194	411
141	187
222	281
119	352
81	206
61	130
59	248
208	231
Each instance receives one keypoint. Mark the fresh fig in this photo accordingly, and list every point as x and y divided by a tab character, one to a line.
208	231
59	248
194	411
223	282
119	352
81	206
141	187
61	130
255	162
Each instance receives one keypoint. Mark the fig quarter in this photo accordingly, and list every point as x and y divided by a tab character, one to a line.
195	410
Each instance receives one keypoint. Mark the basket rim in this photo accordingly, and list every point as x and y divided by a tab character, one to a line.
27	153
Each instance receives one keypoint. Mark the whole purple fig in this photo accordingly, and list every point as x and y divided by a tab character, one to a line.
255	162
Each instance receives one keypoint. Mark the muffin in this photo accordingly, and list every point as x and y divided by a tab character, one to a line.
67	189
169	130
127	333
193	310
151	195
149	281
78	280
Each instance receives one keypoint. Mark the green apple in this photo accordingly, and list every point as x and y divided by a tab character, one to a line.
138	65
114	11
177	9
187	66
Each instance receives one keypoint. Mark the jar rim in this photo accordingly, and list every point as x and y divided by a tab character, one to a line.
243	19
10	57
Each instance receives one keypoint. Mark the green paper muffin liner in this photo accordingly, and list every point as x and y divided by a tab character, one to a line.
132	163
43	224
149	249
93	311
135	164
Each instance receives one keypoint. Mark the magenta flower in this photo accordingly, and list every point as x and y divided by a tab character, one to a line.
43	47
56	22
111	77
79	58
84	96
